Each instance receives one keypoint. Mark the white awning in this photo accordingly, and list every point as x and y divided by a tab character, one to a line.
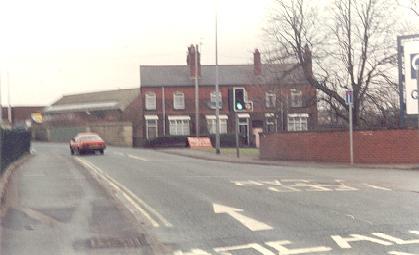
151	117
179	117
212	117
243	115
302	115
269	115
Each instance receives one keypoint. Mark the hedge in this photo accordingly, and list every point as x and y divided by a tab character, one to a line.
226	140
13	144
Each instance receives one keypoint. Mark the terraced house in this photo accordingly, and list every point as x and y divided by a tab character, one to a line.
282	99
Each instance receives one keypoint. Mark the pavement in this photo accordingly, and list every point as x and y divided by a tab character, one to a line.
96	204
247	159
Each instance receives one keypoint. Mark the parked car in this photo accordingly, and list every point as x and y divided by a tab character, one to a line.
87	142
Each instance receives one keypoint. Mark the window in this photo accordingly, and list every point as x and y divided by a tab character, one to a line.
151	126
150	101
214	100
179	101
270	122
179	125
270	99
297	122
212	124
296	98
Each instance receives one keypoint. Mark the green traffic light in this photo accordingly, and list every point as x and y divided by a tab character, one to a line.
239	106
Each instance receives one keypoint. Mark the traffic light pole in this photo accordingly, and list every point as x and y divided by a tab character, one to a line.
237	136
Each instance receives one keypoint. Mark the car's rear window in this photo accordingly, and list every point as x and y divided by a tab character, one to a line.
90	138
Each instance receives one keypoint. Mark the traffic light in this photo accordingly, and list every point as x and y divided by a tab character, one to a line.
239	103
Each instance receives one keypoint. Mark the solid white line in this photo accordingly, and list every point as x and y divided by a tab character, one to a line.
128	195
377	187
136	157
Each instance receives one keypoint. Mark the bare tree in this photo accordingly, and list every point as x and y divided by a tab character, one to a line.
412	5
349	46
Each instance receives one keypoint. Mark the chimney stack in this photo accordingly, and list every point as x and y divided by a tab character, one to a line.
257	63
308	60
190	60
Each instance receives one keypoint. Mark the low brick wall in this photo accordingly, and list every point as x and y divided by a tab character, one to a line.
114	133
376	147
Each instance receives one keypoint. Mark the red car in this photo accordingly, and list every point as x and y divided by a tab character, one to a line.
87	142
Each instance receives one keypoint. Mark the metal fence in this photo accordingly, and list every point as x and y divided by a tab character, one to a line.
13	144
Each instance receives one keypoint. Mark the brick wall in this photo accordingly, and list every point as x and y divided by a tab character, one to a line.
384	146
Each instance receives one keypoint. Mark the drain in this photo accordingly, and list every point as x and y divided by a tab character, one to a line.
113	242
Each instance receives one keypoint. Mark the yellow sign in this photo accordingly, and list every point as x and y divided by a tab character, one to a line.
37	117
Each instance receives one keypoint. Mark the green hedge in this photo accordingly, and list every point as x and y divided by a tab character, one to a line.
13	144
167	141
226	140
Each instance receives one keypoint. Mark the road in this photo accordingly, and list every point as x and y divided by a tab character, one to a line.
189	206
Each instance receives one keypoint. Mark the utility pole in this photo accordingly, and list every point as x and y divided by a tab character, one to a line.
196	93
217	89
417	88
1	106
349	101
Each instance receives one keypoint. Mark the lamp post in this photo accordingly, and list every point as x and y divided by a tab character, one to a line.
217	88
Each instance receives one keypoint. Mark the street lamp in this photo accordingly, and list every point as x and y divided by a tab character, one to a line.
217	87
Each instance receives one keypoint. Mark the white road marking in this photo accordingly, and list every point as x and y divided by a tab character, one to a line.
401	253
377	187
118	153
254	246
132	199
283	189
395	239
279	246
136	157
343	242
192	252
248	222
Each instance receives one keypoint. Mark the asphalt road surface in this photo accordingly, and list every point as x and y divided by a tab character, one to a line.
135	201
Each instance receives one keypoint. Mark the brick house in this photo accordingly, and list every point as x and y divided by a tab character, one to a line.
282	99
20	115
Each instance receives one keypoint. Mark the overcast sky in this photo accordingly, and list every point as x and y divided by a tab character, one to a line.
55	47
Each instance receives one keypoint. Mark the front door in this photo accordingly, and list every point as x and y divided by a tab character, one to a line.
244	130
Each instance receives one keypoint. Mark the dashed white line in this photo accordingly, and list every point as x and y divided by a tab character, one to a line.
136	157
377	187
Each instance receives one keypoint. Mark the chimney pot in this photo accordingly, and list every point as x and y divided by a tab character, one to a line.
257	63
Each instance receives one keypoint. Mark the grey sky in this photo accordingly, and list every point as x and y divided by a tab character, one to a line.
55	47
51	47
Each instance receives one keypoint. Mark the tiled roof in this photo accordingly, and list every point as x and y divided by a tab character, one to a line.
178	75
101	100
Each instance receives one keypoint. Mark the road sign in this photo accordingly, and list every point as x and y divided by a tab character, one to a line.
249	106
349	97
411	62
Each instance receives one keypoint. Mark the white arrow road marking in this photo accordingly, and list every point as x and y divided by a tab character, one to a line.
377	187
136	157
250	223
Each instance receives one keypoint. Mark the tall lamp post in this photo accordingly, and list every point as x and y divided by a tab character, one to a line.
217	87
